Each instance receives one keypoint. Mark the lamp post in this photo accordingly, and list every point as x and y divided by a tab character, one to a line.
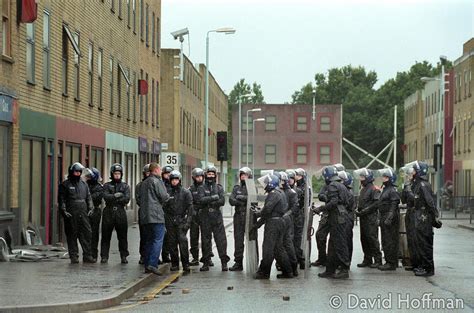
439	131
253	141
241	97
247	126
227	31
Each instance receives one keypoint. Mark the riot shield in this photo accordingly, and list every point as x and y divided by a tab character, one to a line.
251	243
307	230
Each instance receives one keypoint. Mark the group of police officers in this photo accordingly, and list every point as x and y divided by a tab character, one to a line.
167	210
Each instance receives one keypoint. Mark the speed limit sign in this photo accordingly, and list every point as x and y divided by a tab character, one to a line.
170	159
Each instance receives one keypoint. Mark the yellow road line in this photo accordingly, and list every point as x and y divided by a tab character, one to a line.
149	296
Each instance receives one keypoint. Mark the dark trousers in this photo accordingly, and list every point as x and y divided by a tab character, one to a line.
165	253
298	236
212	223
411	237
369	237
272	247
424	239
194	237
143	236
288	239
339	247
77	227
114	219
239	236
390	239
94	220
322	238
178	241
154	234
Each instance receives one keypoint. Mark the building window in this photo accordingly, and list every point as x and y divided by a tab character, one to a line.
301	154
111	74
128	94
65	58
129	10
142	8
134	96
90	68
46	51
30	52
147	24
301	123
134	15
77	73
6	28
140	97
153	102
146	100
324	154
270	154
4	170
248	122
270	123
99	74
96	158
247	157
325	124
120	8
153	32
158	31
116	156
119	91
157	103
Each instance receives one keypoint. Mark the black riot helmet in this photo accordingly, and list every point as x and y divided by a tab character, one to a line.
75	167
167	169
116	167
197	171
245	170
211	169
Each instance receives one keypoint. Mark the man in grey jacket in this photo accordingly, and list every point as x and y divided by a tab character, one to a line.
152	197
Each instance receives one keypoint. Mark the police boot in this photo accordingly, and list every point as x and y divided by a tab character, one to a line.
342	274
204	268
211	264
237	267
260	275
318	263
123	260
295	269
224	266
104	260
326	274
194	262
377	263
174	268
387	267
366	263
285	275
88	259
142	260
302	265
74	260
424	273
186	269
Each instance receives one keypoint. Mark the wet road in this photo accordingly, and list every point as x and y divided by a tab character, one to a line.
394	291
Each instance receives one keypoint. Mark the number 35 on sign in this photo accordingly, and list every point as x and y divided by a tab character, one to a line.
171	159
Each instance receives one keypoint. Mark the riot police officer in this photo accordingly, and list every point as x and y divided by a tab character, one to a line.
238	199
408	198
75	205
178	215
347	180
142	247
322	232
340	226
389	219
300	177
212	222
368	213
288	236
426	217
116	196
165	176
271	215
97	193
197	191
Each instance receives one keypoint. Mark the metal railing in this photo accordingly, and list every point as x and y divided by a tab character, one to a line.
459	208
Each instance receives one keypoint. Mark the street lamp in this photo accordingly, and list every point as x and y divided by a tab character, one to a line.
439	132
227	31
253	142
241	97
247	143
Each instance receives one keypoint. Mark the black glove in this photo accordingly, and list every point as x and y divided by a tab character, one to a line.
67	214
215	197
91	212
437	223
118	195
241	198
358	213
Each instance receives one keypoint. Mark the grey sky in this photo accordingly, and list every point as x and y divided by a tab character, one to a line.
281	44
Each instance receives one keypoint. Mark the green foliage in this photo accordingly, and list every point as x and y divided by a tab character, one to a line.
317	182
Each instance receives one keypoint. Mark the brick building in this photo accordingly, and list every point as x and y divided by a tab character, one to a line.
289	137
75	91
183	125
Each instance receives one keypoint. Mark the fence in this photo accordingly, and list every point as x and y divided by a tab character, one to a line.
460	207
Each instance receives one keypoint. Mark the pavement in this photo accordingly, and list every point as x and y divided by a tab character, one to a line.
59	286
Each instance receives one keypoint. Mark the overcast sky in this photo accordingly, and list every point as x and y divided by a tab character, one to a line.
281	44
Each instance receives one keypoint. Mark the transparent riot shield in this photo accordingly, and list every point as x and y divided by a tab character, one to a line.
251	243
307	230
